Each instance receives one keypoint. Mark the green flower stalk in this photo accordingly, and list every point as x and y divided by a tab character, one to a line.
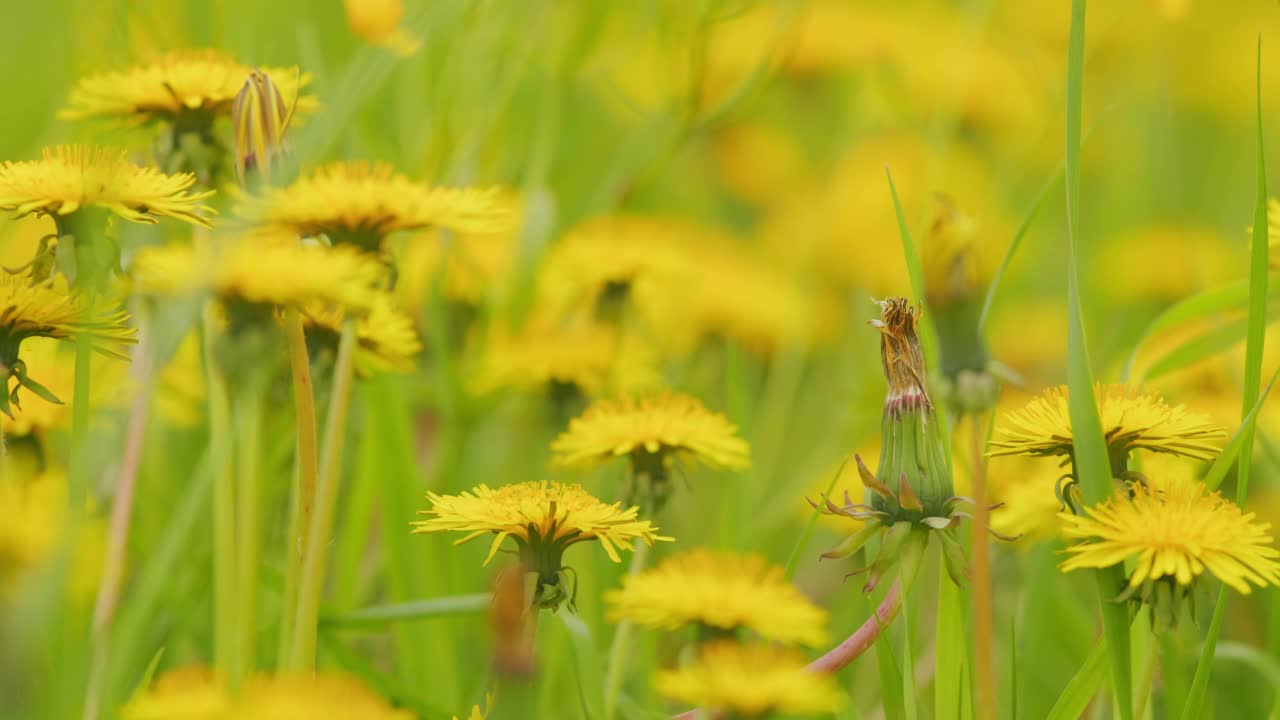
910	497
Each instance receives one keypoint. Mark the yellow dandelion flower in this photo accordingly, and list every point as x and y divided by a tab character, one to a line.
470	267
663	424
385	337
262	272
177	85
378	22
70	177
362	203
1130	419
181	394
750	681
537	514
721	589
1176	531
327	695
187	693
33	524
53	362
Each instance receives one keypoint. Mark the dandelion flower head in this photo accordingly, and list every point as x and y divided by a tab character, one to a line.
385	337
723	590
750	681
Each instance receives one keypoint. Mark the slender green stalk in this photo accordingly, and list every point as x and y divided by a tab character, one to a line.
248	518
618	650
311	578
80	425
303	499
225	651
980	579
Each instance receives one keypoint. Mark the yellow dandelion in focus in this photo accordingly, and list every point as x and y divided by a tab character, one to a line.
258	271
660	425
539	515
361	204
177	86
723	590
188	693
385	337
750	681
328	695
70	177
1176	531
1130	420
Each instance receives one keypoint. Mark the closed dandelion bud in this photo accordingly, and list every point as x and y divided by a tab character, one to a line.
260	117
954	286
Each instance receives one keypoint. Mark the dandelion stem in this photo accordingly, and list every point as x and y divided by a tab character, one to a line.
225	652
80	425
621	643
862	638
303	501
311	578
980	578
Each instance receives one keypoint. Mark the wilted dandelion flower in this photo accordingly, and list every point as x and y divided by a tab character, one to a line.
50	309
191	87
1175	531
361	203
187	693
1131	419
544	518
750	681
71	177
720	590
385	337
262	272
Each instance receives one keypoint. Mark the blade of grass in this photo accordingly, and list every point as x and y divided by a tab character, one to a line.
910	689
1041	196
1086	683
1258	276
890	676
1092	466
587	667
1222	464
951	652
379	616
790	569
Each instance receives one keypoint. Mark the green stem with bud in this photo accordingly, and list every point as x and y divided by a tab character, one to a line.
302	656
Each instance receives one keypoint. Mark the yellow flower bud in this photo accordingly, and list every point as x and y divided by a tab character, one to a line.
260	117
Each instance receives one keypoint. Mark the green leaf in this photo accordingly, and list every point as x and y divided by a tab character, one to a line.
380	616
1201	305
1093	469
790	570
1197	348
952	648
1073	701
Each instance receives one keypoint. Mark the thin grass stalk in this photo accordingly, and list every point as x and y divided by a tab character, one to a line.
303	498
311	578
980	579
618	649
249	518
225	651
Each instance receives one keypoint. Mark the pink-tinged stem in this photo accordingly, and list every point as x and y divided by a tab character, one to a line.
840	655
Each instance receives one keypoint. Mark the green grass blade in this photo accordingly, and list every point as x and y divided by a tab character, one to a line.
1222	464
1258	276
951	651
890	676
790	570
1036	205
910	688
1073	701
1092	466
1196	349
380	616
1201	305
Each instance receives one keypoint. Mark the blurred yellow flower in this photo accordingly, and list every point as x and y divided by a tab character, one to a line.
329	695
378	22
1131	419
259	271
179	84
665	424
750	681
70	177
759	163
539	514
33	524
723	590
385	337
470	266
180	396
361	203
187	693
1175	531
1028	336
1191	259
53	362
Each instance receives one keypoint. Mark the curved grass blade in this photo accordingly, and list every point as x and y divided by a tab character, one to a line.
1036	205
1203	304
1222	464
1086	683
789	571
380	616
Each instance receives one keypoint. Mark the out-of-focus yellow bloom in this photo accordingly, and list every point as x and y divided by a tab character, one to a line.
537	514
199	82
955	268
665	424
1130	420
1191	259
595	357
361	203
723	590
1027	336
33	523
70	177
180	396
260	271
188	693
750	681
760	163
1178	531
385	337
327	695
53	362
470	266
378	22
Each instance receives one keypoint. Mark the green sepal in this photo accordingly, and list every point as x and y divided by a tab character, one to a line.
911	558
953	557
853	543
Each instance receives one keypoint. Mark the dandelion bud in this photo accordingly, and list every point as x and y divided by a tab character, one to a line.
378	22
260	116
